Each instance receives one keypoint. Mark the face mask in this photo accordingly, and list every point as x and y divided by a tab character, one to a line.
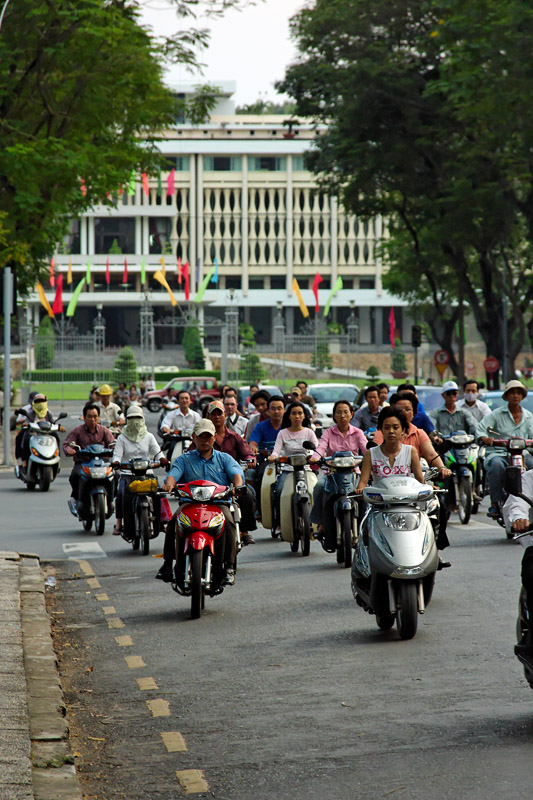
135	425
470	397
40	409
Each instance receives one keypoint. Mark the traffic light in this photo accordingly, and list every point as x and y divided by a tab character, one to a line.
416	336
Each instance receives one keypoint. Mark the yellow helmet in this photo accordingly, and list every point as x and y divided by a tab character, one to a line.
105	388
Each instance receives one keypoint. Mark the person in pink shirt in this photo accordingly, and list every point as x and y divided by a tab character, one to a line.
340	437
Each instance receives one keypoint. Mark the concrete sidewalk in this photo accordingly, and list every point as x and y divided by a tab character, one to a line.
35	758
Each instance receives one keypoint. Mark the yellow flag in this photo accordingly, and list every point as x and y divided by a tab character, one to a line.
163	281
44	301
69	272
163	267
297	292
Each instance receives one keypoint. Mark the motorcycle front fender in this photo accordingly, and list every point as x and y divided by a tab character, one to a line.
44	460
98	489
197	540
343	504
465	472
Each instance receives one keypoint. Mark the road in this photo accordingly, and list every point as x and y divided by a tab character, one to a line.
284	688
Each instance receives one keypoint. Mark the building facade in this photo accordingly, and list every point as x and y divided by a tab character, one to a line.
243	198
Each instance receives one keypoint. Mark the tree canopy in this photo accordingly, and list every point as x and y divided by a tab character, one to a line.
82	99
426	107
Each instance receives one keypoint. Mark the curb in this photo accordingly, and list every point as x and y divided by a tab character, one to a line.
53	773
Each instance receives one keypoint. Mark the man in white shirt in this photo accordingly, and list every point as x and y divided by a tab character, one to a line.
234	421
109	412
518	515
182	418
471	401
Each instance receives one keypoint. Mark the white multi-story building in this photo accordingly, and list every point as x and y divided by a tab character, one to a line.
242	196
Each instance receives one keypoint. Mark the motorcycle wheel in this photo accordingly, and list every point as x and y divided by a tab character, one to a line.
295	545
347	537
99	513
144	530
30	486
305	530
154	405
45	478
407	615
196	583
87	524
464	500
385	622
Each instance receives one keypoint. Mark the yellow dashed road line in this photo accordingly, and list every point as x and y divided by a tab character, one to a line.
85	567
115	622
109	609
159	708
124	641
146	683
94	583
134	662
192	781
174	741
101	597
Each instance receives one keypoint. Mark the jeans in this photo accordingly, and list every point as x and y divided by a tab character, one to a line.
495	469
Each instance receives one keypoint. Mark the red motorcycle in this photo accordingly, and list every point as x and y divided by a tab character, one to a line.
199	524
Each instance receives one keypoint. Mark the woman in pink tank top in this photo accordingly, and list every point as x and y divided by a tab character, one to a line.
392	457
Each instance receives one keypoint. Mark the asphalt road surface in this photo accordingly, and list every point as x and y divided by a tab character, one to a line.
284	688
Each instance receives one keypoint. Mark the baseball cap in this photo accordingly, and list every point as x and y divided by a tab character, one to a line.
216	405
39	398
449	386
295	390
105	389
514	385
204	426
134	411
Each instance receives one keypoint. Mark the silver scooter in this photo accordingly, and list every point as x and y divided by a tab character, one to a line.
44	459
393	572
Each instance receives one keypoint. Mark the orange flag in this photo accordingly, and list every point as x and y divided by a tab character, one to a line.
52	272
146	185
163	281
44	301
69	271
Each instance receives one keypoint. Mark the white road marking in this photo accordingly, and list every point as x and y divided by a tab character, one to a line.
76	550
476	526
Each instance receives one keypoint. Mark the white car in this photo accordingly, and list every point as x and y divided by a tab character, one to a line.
326	395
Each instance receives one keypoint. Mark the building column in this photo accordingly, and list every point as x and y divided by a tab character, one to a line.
138	235
378	234
288	227
244	226
333	239
200	213
192	250
83	235
90	236
289	320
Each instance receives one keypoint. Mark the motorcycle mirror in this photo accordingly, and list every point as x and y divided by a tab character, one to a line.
444	447
309	445
371	443
63	415
494	433
513	481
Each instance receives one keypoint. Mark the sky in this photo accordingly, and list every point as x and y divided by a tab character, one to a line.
251	47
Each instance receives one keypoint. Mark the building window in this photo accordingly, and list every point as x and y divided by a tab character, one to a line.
256	283
159	235
114	235
222	163
266	163
277	283
367	283
298	164
71	244
179	163
233	282
303	283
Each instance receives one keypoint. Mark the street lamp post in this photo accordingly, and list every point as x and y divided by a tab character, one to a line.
352	328
8	288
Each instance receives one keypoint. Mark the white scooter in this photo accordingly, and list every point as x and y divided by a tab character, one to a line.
393	572
44	459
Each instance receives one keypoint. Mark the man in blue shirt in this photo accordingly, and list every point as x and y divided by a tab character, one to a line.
263	438
204	463
420	419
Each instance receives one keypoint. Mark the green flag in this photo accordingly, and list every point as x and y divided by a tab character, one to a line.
159	188
336	287
143	271
203	285
74	299
88	273
131	184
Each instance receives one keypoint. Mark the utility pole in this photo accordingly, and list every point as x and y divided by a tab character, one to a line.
8	302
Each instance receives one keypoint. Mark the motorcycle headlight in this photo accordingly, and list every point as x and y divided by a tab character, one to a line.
343	461
99	472
140	465
202	492
402	520
45	440
517	444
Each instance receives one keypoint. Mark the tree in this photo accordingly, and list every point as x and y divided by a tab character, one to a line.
321	358
372	372
398	360
414	133
126	366
192	343
82	99
251	369
45	344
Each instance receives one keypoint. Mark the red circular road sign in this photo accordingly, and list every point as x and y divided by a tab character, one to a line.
441	357
491	365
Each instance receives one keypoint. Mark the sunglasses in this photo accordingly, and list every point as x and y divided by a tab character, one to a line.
451	392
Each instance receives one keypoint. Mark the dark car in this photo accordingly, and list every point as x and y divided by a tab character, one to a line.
202	390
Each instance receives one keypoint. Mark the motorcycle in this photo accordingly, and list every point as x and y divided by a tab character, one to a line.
396	559
176	443
199	524
340	514
460	453
95	488
295	502
513	485
44	460
141	520
515	446
169	405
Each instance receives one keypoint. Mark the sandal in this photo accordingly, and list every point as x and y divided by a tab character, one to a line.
117	531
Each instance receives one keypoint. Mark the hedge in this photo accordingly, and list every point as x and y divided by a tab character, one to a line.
110	376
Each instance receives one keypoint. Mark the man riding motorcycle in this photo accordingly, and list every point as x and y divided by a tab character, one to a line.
91	432
204	463
182	418
471	401
263	439
367	416
509	421
109	412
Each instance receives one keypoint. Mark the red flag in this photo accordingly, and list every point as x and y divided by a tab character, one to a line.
180	276
57	306
170	183
146	185
52	272
125	273
185	271
392	327
107	275
318	280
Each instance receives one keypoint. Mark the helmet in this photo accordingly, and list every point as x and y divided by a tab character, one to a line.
104	389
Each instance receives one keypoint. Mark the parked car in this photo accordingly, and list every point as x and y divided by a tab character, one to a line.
494	400
203	390
430	396
326	395
244	391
